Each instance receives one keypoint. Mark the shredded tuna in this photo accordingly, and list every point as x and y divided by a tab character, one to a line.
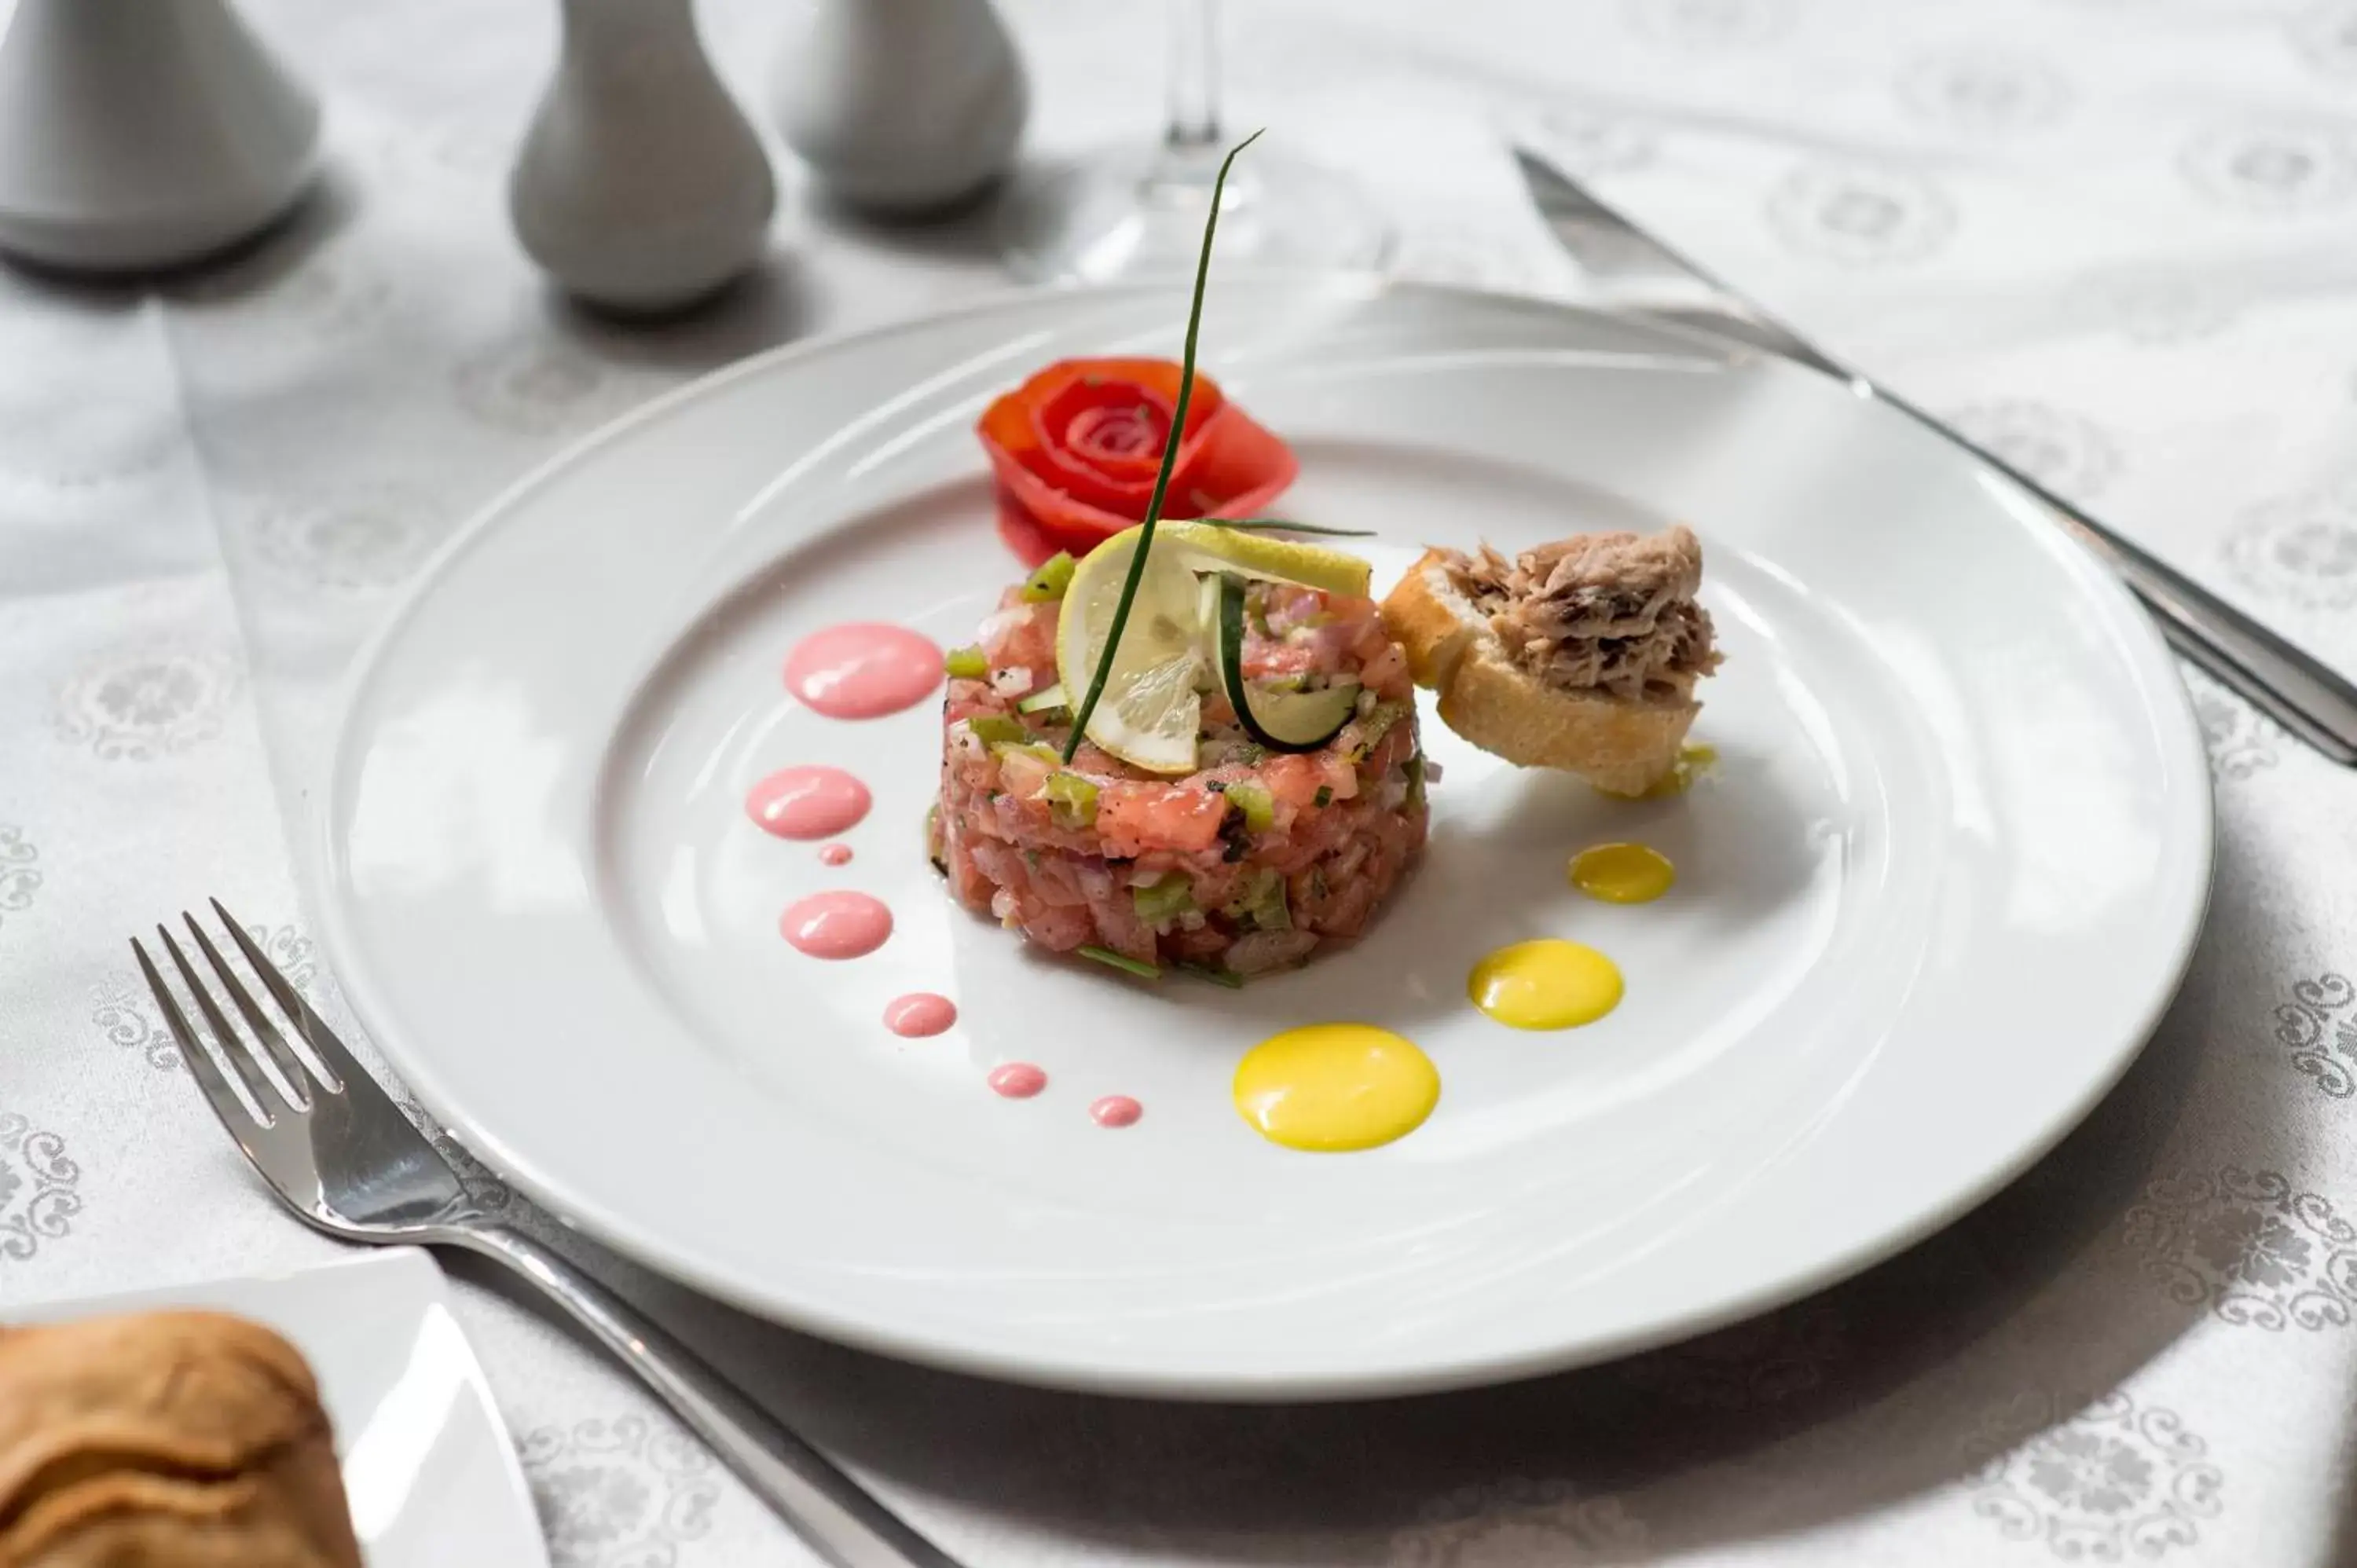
1611	612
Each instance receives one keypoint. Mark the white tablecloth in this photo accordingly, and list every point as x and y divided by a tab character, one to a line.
2118	238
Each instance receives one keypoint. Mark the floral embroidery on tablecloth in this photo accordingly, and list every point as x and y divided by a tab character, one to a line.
358	539
535	384
138	705
2273	167
124	1011
624	1493
1983	91
2156	303
2324	35
20	871
2301	549
2249	1247
1519	1523
38	1196
2066	452
1760	1362
2240	740
1712	27
2104	1483
2320	1028
1860	215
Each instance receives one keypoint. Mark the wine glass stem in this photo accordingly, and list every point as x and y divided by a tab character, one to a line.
1194	79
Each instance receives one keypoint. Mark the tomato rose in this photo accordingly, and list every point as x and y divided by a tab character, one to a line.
1076	448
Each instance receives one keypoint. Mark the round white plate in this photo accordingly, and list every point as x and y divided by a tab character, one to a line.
1947	874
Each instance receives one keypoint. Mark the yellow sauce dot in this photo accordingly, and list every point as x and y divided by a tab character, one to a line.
1695	762
1623	873
1333	1087
1545	984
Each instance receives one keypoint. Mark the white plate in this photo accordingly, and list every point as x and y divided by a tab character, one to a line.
1948	873
428	1470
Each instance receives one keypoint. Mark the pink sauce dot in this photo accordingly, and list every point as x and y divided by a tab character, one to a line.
862	670
836	925
807	802
1117	1111
919	1014
834	855
1018	1080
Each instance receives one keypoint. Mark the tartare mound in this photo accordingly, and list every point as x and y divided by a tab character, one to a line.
1247	865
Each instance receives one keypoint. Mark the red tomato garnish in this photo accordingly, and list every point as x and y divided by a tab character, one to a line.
1077	446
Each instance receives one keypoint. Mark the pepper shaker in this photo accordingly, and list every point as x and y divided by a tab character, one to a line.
900	106
640	187
136	135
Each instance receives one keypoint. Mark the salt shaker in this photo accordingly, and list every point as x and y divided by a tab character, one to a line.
900	106
640	187
136	135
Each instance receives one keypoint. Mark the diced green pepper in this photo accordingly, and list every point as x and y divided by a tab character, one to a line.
1048	700
998	729
1166	897
965	664
1071	799
1416	782
1054	576
1263	905
1259	806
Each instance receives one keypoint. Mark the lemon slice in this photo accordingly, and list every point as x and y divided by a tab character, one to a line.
1206	547
1151	713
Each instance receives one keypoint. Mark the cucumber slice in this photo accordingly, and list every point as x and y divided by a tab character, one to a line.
1281	720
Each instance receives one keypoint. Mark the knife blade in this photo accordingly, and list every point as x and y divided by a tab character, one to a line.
1636	272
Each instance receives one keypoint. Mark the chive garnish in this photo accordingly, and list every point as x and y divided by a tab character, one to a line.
1279	525
1087	710
1122	962
1226	977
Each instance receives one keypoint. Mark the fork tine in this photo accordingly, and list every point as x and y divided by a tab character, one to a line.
343	1071
235	1119
290	1066
231	1047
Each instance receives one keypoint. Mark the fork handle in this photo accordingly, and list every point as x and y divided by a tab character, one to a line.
830	1510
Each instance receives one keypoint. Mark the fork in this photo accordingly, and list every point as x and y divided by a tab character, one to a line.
332	1144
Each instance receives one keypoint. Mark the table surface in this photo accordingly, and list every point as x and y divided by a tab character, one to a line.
2115	239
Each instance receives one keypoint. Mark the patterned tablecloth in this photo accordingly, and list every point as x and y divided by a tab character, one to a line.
2117	238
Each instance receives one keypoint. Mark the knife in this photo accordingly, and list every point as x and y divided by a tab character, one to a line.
1639	274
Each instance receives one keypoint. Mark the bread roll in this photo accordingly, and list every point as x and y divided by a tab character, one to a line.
186	1439
1522	677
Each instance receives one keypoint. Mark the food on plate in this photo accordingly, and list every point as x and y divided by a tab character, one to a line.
1581	655
1076	449
1545	984
1334	1087
192	1439
1249	786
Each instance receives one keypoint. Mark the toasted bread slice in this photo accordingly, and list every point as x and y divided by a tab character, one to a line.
1621	747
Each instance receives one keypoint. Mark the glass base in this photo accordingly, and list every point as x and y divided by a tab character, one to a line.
1121	218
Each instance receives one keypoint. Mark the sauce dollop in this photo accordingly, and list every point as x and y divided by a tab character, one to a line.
836	925
919	1014
1623	873
862	670
1545	984
1115	1110
807	802
1016	1080
1328	1088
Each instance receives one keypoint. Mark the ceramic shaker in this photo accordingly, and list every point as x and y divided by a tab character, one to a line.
136	135
640	187
900	106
